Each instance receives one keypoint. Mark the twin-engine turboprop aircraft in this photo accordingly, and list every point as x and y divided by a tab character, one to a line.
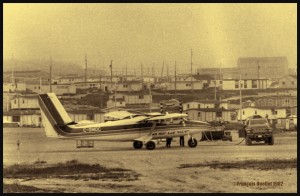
141	129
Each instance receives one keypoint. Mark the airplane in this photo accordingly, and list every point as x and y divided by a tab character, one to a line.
141	129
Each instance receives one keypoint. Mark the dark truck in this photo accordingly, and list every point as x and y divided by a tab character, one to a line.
258	129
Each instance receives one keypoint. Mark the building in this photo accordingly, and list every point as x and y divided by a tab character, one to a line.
211	114
276	101
129	98
91	114
7	101
267	112
58	89
199	104
263	67
288	82
25	101
118	102
221	73
30	118
246	84
14	87
182	85
70	79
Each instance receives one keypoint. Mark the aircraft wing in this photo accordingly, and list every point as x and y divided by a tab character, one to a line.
167	116
119	114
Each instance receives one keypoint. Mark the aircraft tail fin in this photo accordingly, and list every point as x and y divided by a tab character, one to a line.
53	114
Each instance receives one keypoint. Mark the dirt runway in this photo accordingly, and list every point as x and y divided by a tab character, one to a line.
159	168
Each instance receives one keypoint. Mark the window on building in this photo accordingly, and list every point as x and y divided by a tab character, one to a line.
125	85
198	105
243	112
188	106
221	82
245	83
254	83
283	83
15	101
121	102
219	114
16	118
292	82
236	84
199	114
255	112
23	101
141	96
90	116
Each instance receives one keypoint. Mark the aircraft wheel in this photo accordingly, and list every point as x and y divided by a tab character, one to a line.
137	144
150	145
192	143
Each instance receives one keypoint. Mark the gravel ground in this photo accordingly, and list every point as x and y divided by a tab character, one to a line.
159	168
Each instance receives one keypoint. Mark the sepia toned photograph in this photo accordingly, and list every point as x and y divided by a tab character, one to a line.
149	98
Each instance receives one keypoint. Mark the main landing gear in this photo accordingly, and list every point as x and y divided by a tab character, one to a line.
137	144
149	145
192	142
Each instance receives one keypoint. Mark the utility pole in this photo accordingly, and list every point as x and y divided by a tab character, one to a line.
221	79
215	86
192	86
100	87
167	72
258	67
153	70
85	77
40	84
126	71
50	74
150	97
110	74
142	74
240	84
175	81
162	70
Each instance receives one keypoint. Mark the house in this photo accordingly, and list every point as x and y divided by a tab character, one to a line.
14	87
25	101
70	79
182	85
276	101
58	89
233	84
129	98
211	114
288	81
267	112
198	104
7	101
118	102
90	114
24	118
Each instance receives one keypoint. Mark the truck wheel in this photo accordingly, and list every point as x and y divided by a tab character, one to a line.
150	145
271	140
192	143
137	144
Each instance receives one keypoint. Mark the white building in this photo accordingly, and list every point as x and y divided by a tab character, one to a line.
58	89
233	84
13	87
197	104
25	101
267	112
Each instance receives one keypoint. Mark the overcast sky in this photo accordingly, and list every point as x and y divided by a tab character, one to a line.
150	33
